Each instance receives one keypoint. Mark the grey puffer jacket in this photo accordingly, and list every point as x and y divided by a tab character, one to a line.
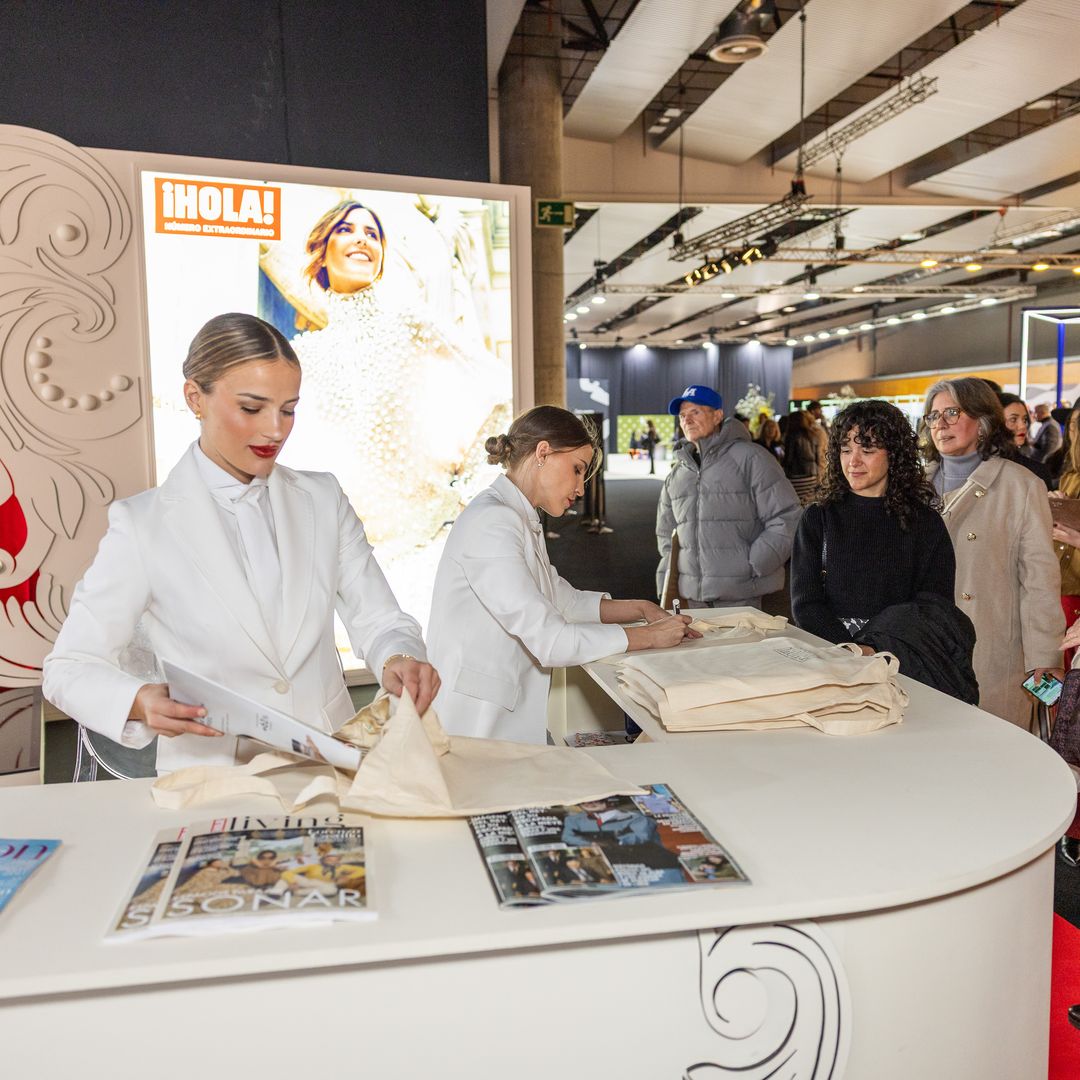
736	514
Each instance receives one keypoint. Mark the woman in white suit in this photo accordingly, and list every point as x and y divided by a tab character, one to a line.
501	617
235	568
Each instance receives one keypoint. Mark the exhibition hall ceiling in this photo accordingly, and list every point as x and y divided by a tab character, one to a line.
974	103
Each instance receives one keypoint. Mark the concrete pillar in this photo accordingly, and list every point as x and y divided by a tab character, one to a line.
530	152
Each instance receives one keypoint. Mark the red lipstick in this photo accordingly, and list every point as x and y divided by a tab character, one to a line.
264	451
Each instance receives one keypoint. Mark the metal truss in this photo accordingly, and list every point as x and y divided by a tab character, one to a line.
834	143
1045	228
1006	259
852	292
744	229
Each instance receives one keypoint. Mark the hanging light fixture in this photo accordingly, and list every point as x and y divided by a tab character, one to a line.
740	37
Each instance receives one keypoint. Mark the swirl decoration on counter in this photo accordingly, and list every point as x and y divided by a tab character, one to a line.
778	998
64	222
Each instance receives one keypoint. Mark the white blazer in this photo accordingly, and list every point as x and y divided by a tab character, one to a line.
502	618
167	561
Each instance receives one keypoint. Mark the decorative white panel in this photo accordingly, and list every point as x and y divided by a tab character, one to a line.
71	363
778	1000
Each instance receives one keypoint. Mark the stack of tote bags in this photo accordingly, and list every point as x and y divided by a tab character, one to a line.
776	683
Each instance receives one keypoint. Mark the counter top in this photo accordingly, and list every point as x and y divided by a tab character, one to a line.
823	826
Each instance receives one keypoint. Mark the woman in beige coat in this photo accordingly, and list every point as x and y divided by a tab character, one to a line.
1007	577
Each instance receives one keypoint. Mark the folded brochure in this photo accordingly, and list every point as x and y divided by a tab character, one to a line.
234	714
624	844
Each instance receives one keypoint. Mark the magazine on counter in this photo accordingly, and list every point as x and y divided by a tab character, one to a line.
624	844
245	873
235	714
597	738
18	860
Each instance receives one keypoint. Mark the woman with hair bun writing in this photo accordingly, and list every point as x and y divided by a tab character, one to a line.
501	617
234	566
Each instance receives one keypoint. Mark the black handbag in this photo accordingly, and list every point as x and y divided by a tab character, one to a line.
1065	734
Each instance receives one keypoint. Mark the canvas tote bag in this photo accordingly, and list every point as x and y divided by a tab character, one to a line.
411	768
774	682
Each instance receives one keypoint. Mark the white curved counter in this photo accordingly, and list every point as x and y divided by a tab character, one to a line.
897	924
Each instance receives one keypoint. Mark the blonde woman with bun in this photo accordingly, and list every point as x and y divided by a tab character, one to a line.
501	616
234	567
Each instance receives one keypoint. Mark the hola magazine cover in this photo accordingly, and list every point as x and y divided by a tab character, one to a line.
624	844
18	860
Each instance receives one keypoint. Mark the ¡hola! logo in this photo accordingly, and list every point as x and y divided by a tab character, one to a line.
212	208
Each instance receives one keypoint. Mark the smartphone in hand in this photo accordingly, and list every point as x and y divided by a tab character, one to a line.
1047	689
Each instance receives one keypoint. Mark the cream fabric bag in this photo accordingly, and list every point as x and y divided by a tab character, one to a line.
411	768
729	626
778	682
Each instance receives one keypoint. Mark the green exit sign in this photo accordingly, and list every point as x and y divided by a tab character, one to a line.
555	212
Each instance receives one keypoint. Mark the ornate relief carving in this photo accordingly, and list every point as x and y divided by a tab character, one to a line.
778	999
64	222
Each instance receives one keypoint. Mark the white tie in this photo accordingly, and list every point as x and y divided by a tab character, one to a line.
260	550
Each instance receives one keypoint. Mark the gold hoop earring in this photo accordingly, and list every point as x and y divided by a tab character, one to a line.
198	416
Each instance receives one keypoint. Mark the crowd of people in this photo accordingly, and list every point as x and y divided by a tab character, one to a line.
935	545
932	541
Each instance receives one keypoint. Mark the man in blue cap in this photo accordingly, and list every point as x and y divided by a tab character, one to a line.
733	508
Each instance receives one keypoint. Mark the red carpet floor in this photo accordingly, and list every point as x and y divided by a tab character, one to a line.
1064	991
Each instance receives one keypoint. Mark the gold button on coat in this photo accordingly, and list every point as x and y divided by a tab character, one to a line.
971	536
281	686
979	494
965	596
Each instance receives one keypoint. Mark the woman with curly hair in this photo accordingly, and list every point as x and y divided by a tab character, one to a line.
1007	576
873	539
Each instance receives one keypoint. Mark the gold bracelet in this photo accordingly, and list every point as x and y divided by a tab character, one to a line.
398	656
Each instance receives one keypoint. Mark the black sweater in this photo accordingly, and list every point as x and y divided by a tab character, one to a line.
870	563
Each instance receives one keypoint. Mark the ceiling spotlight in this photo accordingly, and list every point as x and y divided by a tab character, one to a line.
791	341
843	331
582	346
672	112
639	347
858	288
911	237
866	326
583	309
791	307
808	338
919	316
892	320
1076	269
739	36
727	296
710	345
744	322
678	341
811	296
988	301
658	129
948	309
569	317
973	267
824	335
1039	267
599	298
927	264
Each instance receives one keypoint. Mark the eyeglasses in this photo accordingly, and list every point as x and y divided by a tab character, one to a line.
949	415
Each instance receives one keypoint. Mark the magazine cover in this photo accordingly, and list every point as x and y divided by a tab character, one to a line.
18	860
137	910
250	877
621	844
